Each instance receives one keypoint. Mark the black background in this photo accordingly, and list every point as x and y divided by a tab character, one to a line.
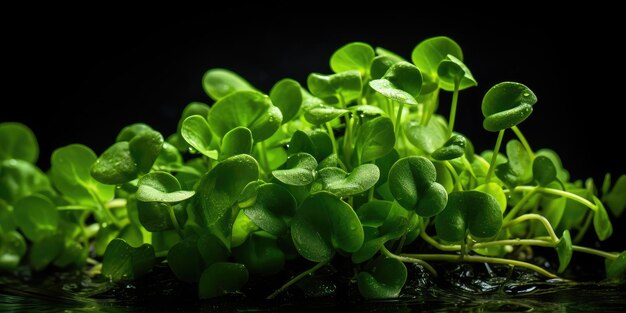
81	79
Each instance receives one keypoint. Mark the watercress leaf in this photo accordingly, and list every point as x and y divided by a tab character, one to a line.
242	228
131	131
344	85
384	52
366	110
376	138
123	262
219	83
250	109
544	170
616	198
561	173
601	221
19	178
564	251
321	113
36	216
273	209
18	142
353	56
161	187
323	224
115	166
12	249
451	149
185	260
7	218
212	249
385	280
384	165
519	169
157	216
301	142
260	255
453	71
220	188
380	65
286	95
617	267
69	172
473	211
222	278
237	141
342	184
45	250
497	192
412	184
104	237
382	221
299	170
507	104
195	130
402	83
429	137
145	149
429	53
73	253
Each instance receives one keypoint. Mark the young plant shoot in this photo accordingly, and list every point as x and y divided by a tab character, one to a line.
355	170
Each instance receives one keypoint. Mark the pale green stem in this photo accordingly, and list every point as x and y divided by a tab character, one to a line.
523	140
296	279
434	243
115	203
494	157
405	259
519	205
537	217
331	134
456	177
398	121
544	243
455	98
561	193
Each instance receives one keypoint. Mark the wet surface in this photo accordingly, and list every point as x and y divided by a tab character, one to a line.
464	288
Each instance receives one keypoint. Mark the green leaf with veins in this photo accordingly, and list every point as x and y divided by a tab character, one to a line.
342	184
273	209
161	187
401	83
18	142
299	170
353	56
123	262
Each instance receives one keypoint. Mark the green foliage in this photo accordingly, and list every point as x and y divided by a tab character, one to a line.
346	169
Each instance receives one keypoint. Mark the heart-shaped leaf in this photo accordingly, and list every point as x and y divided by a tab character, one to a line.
451	149
429	53
123	262
219	83
601	221
36	216
222	278
12	249
18	142
506	105
473	211
287	96
323	224
496	191
342	184
412	183
353	56
260	254
453	71
544	170
376	138
385	280
428	137
19	178
115	166
345	85
518	170
616	268
195	130
273	209
70	175
161	187
616	198
564	250
401	83
249	109
299	170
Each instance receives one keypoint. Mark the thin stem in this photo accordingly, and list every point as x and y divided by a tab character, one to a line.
523	140
455	175
398	121
455	98
115	203
583	230
519	205
494	156
480	259
296	279
331	134
405	259
561	193
434	243
175	221
515	242
347	142
539	218
607	255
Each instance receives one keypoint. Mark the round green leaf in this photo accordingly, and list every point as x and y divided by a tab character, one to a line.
382	221
19	178
453	71
115	166
123	262
17	141
145	149
615	199
544	170
342	184
601	222
412	182
452	149
237	141
617	267
385	280
249	109
299	170
380	65
506	105
185	261
496	191
131	131
219	83
242	228
564	251
518	170
384	52
324	223
287	96
429	137
45	250
212	249
195	130
260	255
36	216
161	187
402	83
12	249
376	138
346	85
353	56
273	209
222	278
473	211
